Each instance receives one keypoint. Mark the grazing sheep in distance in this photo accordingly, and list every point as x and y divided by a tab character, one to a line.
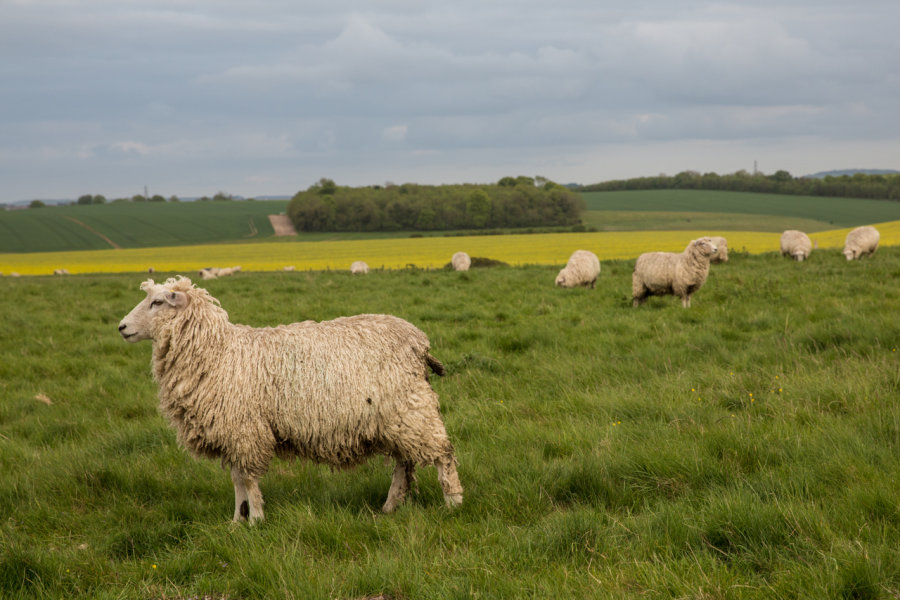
289	268
336	392
359	268
61	272
682	274
722	244
461	261
582	269
795	244
861	242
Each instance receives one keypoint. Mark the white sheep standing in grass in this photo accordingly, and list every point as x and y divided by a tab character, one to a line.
359	268
335	392
461	261
582	269
860	242
681	274
721	256
796	244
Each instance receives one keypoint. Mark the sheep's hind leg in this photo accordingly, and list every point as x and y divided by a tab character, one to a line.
449	480
404	473
248	502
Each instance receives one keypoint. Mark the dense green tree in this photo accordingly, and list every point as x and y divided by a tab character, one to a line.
36	204
478	209
517	202
85	199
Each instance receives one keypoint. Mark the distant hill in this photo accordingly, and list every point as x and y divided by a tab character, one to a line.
839	172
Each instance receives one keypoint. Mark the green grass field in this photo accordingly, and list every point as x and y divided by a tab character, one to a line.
135	225
692	209
748	447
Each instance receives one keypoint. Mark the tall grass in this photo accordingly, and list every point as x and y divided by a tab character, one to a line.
748	447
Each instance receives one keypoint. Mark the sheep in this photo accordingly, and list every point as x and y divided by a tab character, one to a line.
461	261
359	268
289	268
61	272
582	269
335	392
215	272
722	255
795	244
860	242
661	273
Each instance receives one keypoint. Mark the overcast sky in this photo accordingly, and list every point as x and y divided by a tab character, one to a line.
192	97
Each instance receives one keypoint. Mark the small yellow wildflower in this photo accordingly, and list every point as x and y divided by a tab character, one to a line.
154	566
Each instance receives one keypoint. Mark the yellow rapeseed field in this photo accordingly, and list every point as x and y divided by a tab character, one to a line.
397	253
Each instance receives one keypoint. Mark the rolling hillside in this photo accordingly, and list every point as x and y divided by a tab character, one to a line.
153	225
135	225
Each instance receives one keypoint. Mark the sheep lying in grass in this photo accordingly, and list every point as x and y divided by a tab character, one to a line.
661	273
214	272
582	269
795	244
860	242
359	268
461	261
335	392
722	255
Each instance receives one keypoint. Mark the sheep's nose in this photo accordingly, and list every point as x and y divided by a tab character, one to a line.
122	326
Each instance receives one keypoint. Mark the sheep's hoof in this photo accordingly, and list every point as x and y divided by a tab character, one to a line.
453	500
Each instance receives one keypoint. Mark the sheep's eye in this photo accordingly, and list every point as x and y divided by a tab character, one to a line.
155	303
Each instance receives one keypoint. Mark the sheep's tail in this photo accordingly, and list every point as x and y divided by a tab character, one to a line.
435	365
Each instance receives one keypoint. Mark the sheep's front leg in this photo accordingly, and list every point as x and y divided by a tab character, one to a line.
404	472
248	502
449	480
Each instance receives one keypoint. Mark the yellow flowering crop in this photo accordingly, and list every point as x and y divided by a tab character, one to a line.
396	253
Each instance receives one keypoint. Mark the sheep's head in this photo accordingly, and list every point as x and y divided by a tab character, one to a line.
705	246
163	301
849	253
561	278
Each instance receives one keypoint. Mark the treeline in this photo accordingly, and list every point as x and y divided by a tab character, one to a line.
859	185
512	202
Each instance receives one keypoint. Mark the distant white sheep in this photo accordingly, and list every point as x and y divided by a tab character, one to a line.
860	242
581	270
335	392
61	272
682	274
214	272
359	268
796	244
461	261
722	255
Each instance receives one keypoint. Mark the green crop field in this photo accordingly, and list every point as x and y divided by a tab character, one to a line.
692	209
135	225
746	448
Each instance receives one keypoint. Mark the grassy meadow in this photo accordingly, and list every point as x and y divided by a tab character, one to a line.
748	447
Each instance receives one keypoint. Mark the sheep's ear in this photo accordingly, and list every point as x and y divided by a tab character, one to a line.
177	299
